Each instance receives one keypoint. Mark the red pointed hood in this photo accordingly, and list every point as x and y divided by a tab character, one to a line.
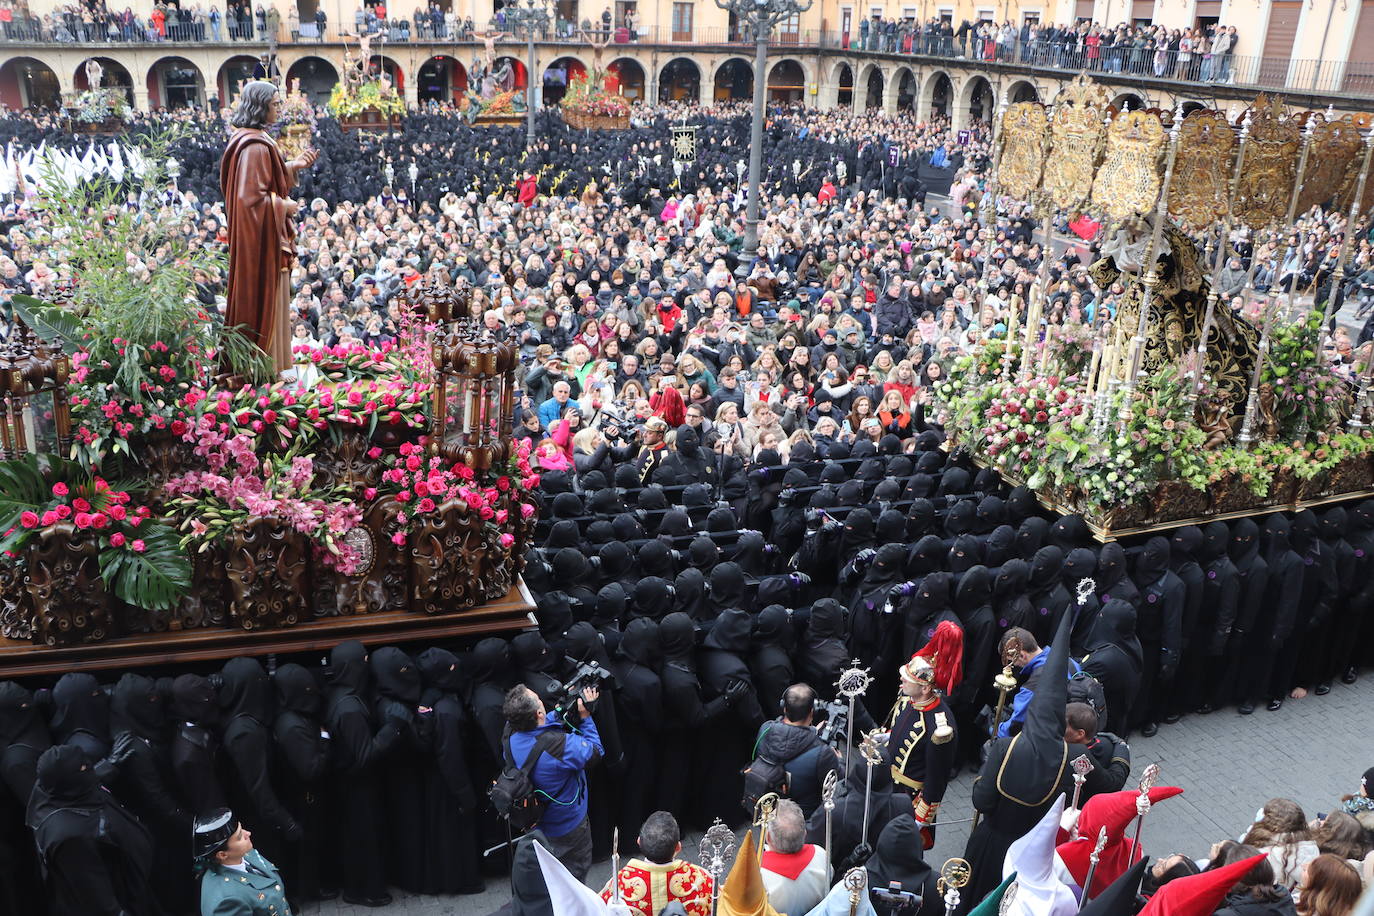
1115	811
1198	895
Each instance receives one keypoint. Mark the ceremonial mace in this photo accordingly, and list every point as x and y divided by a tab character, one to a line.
1005	682
764	809
1142	804
1338	276
716	850
1082	766
852	684
872	755
855	882
954	874
828	801
1092	862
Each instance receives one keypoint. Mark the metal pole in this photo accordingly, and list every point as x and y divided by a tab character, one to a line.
1223	247
762	24
1338	276
529	86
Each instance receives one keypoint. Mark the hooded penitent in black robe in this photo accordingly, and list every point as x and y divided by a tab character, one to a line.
1245	553
973	605
899	856
720	663
585	647
1159	625
195	747
1112	579
144	784
1009	601
1321	585
81	715
452	857
302	757
1205	666
639	711
823	654
1184	545
245	696
847	821
770	655
97	855
1022	776
687	715
1077	576
1278	610
1049	599
1114	658
1324	658
1356	625
359	744
402	773
23	739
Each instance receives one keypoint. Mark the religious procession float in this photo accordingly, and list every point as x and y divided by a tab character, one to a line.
162	497
98	109
1179	408
364	98
588	106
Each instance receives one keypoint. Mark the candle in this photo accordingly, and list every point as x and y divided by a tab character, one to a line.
1089	383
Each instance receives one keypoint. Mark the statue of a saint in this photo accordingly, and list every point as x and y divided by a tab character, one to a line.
94	73
256	182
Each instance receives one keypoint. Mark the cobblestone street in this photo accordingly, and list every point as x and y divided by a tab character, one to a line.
1312	750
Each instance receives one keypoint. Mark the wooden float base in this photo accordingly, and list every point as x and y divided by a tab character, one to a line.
514	119
23	659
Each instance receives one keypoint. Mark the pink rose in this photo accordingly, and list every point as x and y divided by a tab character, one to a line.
29	519
117	539
374	453
370	493
506	540
50	518
399	539
100	520
82	520
425	505
137	546
117	513
59	489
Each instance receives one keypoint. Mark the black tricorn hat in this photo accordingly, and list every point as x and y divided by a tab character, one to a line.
211	832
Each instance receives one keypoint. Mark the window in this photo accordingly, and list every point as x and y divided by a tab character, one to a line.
682	21
985	15
789	29
908	12
946	14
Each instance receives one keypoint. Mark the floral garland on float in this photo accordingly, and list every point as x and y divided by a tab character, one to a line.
1168	407
587	105
143	491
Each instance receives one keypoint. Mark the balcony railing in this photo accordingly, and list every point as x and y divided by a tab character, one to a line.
1123	63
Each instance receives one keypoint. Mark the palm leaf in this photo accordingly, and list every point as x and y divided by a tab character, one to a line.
155	579
48	321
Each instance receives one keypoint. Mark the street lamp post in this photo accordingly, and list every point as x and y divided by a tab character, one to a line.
532	17
762	15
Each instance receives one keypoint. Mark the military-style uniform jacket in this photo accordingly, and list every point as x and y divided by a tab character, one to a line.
258	891
921	752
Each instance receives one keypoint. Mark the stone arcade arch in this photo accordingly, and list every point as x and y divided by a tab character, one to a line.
626	76
1022	91
937	98
441	78
233	73
843	79
680	81
317	77
175	82
26	82
872	83
558	75
1128	101
904	89
977	102
734	80
115	75
786	81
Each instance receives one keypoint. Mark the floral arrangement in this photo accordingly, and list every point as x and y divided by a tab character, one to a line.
296	107
370	96
139	557
590	98
1018	421
424	483
96	106
502	103
1306	396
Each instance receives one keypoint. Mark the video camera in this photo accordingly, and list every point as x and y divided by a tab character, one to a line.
587	675
832	723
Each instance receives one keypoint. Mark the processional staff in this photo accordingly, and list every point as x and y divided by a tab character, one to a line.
1142	803
716	851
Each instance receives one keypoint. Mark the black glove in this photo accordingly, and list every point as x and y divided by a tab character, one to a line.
735	691
293	833
859	856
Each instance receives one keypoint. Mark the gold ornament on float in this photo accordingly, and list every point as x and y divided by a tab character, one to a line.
1023	149
1271	165
1128	182
1076	135
1202	170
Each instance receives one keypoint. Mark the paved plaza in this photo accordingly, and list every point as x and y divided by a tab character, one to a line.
1312	750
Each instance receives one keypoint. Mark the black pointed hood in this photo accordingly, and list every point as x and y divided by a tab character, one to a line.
961	519
1021	505
1303	531
193	700
1000	545
1080	564
1030	536
297	691
727	586
490	662
1245	543
656	559
1115	626
974	590
19	715
690	594
927	556
677	637
827	620
641	644
1153	561
1046	568
964	553
80	705
899	856
245	690
1069	532
653	598
1111	566
920	517
1216	537
731	632
396	675
136	706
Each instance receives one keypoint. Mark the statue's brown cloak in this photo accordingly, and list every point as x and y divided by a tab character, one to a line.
256	185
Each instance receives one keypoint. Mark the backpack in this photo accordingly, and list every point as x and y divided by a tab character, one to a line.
513	793
1084	688
762	776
